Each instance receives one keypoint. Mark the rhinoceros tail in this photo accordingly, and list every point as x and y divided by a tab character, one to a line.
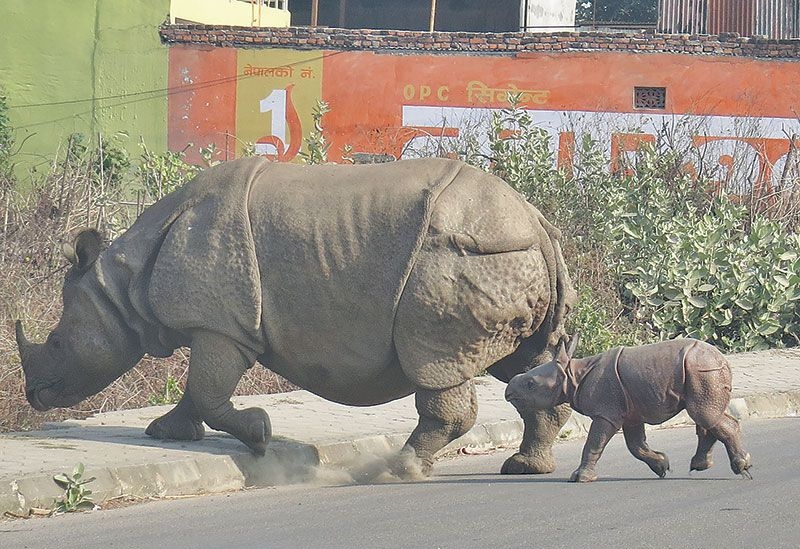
565	294
550	331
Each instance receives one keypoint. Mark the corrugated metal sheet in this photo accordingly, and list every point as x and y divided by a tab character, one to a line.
778	19
771	18
683	16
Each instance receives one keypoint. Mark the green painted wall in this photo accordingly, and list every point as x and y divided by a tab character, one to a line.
88	66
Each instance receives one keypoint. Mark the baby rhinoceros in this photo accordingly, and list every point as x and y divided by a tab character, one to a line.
629	386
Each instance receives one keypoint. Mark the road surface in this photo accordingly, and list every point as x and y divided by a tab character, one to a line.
467	504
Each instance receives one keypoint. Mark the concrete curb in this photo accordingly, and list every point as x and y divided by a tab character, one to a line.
291	462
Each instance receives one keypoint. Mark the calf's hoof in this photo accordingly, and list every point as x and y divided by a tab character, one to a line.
700	463
741	465
583	475
659	465
531	464
175	427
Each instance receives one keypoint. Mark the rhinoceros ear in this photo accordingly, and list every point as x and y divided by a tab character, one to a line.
84	249
562	357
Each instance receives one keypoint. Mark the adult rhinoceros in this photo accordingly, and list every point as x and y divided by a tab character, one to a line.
361	284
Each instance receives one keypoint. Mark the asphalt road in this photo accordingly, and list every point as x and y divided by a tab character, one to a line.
468	505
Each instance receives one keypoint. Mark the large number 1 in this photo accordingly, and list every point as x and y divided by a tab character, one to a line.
284	120
274	103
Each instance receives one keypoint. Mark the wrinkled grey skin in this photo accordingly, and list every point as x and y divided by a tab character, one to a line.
628	387
361	284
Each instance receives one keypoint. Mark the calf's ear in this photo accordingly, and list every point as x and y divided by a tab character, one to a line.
563	356
84	249
573	344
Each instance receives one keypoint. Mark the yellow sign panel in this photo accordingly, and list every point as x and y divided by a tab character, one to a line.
276	92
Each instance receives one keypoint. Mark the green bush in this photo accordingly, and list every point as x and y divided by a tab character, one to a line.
655	252
708	278
162	173
315	142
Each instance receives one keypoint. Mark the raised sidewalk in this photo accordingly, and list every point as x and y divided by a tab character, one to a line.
315	440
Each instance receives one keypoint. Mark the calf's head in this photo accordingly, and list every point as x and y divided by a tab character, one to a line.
544	386
89	348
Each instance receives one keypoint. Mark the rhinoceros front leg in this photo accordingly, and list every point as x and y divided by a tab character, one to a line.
183	422
216	365
444	415
535	454
600	432
636	440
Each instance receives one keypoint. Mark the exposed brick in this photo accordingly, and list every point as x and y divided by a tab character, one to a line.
730	44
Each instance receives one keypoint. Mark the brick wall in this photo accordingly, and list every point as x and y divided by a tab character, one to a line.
478	43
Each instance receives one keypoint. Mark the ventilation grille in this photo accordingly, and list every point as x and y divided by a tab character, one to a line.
649	98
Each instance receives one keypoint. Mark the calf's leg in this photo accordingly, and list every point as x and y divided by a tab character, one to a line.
707	397
728	432
702	457
600	433
636	441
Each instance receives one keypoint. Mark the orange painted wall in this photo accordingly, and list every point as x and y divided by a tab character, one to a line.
366	86
369	91
202	100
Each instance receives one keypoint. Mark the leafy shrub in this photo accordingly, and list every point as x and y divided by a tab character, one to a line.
162	173
706	277
316	143
77	497
656	252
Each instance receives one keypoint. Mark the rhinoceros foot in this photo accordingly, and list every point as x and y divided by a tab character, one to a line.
700	463
659	464
407	466
583	474
175	426
741	465
252	426
531	464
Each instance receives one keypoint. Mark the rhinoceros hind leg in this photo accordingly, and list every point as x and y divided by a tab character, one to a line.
180	423
444	415
636	441
702	459
728	432
535	455
215	368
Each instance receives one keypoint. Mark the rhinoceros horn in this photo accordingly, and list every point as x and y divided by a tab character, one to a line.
22	341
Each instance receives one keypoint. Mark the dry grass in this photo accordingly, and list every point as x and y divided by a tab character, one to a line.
32	228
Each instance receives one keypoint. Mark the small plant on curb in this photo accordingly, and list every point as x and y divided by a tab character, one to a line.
171	393
76	494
